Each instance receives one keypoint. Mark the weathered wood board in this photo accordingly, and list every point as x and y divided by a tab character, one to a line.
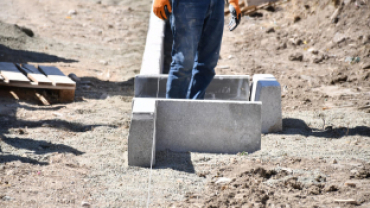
11	73
258	2
56	76
34	74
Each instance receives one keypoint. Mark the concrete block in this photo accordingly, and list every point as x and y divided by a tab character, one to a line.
208	126
222	87
141	137
153	56
267	89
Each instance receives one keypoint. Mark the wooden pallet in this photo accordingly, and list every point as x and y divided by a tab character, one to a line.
42	77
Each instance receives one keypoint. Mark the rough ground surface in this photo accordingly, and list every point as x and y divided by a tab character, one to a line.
75	155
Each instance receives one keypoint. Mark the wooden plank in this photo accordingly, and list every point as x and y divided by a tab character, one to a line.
66	96
33	86
10	73
34	74
56	76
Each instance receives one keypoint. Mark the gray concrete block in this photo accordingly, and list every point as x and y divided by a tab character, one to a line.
222	87
208	126
267	89
142	133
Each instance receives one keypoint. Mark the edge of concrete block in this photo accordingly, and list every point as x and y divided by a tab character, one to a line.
143	116
236	87
153	57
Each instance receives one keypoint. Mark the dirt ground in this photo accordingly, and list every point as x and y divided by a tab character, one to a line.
75	155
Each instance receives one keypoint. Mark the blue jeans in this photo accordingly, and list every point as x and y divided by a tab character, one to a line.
197	28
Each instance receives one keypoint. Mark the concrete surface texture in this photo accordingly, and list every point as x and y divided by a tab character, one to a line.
267	89
222	87
141	138
208	126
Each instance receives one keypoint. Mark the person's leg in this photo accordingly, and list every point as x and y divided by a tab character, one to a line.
187	25
208	50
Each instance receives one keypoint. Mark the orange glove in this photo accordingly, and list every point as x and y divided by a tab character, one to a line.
159	8
235	4
235	14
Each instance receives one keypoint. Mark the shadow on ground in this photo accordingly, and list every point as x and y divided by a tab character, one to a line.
174	160
298	126
22	56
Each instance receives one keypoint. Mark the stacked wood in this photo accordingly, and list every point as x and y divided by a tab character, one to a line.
43	77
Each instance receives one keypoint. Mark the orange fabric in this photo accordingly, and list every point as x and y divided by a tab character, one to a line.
158	8
235	4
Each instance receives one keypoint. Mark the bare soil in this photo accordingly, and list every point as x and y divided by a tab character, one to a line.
75	155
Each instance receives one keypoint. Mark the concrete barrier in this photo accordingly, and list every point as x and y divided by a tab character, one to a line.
222	87
141	139
154	48
267	89
192	125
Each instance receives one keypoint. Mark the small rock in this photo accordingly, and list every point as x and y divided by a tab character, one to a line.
223	180
335	20
230	57
233	161
295	41
354	171
296	19
10	172
57	114
350	184
366	39
339	37
314	190
296	57
335	161
313	51
104	96
331	188
270	30
282	46
74	77
318	59
85	204
6	198
72	12
103	62
223	67
320	178
366	65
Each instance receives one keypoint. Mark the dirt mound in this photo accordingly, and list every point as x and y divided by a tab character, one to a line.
253	184
14	35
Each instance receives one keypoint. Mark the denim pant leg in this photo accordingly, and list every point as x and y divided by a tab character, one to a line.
208	50
187	22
